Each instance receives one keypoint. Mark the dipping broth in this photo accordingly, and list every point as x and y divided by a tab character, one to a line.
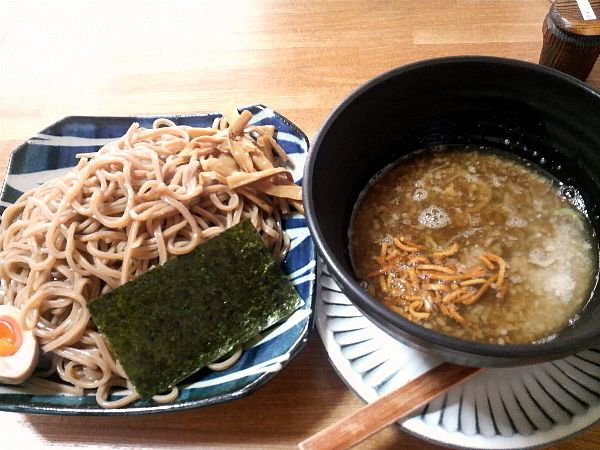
475	243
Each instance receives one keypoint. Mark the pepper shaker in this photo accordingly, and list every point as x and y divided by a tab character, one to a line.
571	33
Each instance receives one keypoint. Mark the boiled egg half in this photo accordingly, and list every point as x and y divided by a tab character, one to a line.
18	347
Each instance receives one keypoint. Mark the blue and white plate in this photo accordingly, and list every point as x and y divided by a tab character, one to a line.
51	152
517	407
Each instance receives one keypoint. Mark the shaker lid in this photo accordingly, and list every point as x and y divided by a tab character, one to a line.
577	16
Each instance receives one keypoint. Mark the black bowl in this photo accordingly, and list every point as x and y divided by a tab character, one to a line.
523	108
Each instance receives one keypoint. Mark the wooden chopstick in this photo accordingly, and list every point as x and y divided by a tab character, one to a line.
388	409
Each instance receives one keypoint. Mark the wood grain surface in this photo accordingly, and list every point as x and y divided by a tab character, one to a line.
389	408
301	58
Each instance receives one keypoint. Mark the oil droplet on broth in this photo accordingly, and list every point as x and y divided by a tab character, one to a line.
541	257
434	217
516	222
420	195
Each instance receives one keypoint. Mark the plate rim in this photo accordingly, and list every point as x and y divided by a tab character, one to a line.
329	343
298	344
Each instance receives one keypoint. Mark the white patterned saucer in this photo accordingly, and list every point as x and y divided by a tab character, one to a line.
516	407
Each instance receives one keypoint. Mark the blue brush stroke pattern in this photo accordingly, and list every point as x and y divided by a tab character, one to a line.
40	154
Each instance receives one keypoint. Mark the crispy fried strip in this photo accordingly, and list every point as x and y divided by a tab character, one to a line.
418	259
382	284
383	251
501	267
444	309
457	277
486	261
436	268
412	273
407	248
392	254
427	306
452	250
418	285
452	296
417	315
473	281
382	271
411	243
436	287
477	295
453	313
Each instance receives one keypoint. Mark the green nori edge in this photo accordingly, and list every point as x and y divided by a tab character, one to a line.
174	319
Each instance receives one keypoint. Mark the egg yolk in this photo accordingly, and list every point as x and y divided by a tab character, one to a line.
9	337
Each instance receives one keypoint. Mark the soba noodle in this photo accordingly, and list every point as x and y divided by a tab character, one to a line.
150	195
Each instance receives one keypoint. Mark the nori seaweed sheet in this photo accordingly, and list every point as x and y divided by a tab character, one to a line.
174	319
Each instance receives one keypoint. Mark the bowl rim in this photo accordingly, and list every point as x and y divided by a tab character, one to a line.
384	317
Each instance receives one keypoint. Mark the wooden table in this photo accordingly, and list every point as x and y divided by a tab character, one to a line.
301	58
